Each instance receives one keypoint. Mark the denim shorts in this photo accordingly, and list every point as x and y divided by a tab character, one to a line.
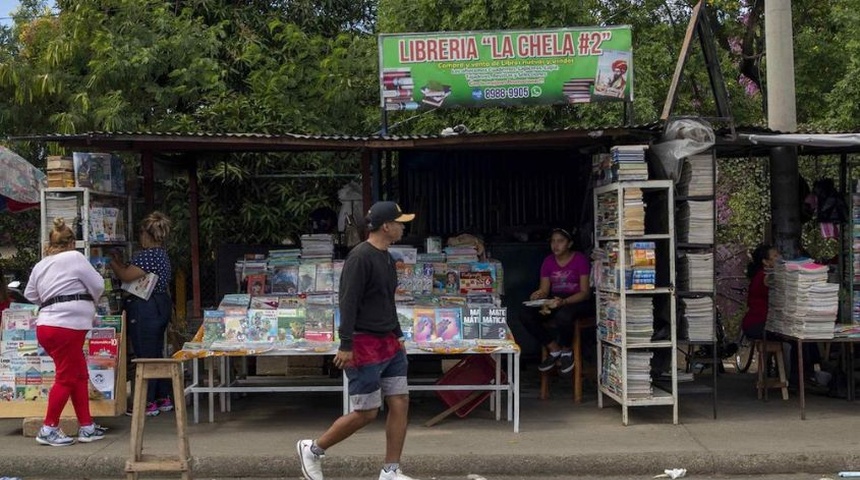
369	383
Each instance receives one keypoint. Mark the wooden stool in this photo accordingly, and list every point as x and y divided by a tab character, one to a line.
579	325
763	351
147	369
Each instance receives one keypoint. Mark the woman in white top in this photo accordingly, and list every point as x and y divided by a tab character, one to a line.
65	286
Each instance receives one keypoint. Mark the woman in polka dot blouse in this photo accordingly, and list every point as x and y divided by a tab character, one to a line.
148	319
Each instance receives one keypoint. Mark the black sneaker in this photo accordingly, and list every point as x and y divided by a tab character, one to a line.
548	364
565	361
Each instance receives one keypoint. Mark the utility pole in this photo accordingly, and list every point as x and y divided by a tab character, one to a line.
782	117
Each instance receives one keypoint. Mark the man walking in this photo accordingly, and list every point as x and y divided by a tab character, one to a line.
371	346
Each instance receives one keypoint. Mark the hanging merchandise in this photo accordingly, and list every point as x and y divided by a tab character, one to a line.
21	181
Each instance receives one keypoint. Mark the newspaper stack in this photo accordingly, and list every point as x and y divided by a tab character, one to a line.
634	212
801	302
60	206
696	272
697	176
638	372
628	163
699	314
696	222
317	246
640	319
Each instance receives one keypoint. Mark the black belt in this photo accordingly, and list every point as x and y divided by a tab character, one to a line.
66	298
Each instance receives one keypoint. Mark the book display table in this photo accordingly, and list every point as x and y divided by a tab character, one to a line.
225	381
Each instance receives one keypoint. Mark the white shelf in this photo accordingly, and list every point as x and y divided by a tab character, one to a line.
635	238
653	291
630	357
644	185
658	397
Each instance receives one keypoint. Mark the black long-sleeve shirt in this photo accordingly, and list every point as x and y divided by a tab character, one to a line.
367	287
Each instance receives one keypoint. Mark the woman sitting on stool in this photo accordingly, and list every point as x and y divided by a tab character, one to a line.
564	281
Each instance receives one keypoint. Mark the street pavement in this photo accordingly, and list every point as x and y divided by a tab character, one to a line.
557	439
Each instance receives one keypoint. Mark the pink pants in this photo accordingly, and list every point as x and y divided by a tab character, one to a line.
66	347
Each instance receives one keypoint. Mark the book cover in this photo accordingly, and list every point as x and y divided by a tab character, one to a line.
307	277
142	287
291	324
7	386
235	300
407	255
83	169
108	321
337	271
213	326
612	75
261	326
102	332
255	284
404	318
265	302
449	324
433	245
285	279
103	347
424	324
476	282
97	224
471	323
233	327
319	324
110	217
292	301
324	281
494	323
103	379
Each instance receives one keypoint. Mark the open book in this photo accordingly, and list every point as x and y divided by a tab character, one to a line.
142	287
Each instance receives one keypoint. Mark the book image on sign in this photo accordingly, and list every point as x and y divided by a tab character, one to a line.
142	287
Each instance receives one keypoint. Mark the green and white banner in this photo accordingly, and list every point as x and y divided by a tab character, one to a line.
525	67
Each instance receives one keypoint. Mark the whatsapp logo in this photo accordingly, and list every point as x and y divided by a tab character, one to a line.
536	91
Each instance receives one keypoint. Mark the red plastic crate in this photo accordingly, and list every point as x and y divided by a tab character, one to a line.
472	370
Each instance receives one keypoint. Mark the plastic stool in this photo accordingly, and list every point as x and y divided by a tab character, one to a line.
764	350
147	369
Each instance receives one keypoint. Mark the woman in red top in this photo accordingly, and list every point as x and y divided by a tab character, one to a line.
764	257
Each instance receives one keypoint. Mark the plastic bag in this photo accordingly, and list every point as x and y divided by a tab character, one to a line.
683	137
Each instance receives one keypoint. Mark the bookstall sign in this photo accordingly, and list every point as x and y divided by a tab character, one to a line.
505	68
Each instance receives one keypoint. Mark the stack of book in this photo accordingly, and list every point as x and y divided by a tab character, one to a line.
61	172
461	254
642	274
628	163
695	222
640	319
696	272
699	316
638	372
578	90
801	302
61	206
634	212
607	215
697	176
317	246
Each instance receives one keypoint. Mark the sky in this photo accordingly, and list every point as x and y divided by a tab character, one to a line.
7	6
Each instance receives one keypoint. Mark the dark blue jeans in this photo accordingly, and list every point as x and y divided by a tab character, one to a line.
147	322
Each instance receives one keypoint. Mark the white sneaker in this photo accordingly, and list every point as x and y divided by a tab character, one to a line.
53	437
395	475
311	462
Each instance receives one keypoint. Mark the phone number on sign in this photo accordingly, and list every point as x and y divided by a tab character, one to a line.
503	93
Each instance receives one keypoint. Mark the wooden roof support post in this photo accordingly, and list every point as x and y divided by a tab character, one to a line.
194	236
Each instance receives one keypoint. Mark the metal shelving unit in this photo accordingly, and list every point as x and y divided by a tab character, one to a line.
614	350
684	247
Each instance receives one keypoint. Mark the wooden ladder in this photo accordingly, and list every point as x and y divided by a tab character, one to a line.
148	369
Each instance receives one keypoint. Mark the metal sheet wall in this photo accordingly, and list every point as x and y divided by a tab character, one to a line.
493	193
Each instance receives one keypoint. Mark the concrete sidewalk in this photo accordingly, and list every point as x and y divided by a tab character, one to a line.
557	437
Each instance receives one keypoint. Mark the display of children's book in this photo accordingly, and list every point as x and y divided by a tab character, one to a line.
319	324
307	277
255	284
449	324
265	302
285	279
424	324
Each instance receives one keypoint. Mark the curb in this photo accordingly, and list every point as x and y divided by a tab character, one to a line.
611	464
